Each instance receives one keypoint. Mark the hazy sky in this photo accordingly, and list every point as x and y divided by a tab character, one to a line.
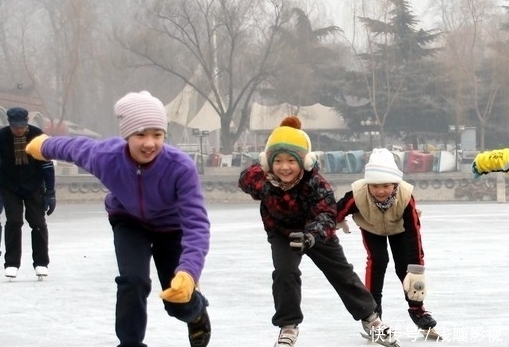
341	13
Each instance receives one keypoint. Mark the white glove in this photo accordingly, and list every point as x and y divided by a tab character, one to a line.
301	242
343	225
414	283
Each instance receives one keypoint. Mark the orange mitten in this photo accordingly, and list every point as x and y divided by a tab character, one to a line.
34	147
181	288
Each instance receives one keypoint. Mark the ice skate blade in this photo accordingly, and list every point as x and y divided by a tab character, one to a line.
431	334
40	277
380	341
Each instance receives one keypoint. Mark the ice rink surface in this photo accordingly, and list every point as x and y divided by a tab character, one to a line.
467	269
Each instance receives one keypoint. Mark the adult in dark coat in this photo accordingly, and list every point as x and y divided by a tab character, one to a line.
27	187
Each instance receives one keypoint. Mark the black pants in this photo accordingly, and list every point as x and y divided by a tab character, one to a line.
330	259
35	216
406	248
1	229
134	248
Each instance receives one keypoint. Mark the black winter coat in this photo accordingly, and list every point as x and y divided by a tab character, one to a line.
23	180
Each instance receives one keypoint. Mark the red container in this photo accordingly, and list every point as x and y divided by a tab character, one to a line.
214	160
418	162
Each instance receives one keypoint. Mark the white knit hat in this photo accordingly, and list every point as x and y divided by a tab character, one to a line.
140	111
382	168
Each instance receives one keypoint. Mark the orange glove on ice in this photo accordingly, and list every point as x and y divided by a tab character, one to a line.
34	147
181	288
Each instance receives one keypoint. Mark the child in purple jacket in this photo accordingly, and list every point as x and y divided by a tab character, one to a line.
156	209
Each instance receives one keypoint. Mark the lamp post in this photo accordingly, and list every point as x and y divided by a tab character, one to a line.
201	134
456	130
370	124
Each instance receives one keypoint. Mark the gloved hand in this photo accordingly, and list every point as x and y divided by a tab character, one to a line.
301	242
35	145
343	225
181	288
414	283
50	201
490	161
476	173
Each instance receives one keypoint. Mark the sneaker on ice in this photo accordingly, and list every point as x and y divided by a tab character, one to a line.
377	330
422	318
41	271
199	331
287	336
11	271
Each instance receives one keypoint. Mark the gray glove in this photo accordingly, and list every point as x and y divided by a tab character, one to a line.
301	242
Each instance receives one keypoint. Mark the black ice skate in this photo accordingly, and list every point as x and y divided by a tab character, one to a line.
422	318
199	331
425	323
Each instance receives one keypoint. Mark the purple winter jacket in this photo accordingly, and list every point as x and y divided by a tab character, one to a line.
165	195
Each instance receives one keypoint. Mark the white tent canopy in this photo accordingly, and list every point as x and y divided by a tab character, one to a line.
314	117
206	118
181	109
184	110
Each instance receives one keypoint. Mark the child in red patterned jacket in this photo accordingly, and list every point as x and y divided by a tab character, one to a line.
298	211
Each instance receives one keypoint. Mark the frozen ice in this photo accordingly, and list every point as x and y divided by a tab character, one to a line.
467	269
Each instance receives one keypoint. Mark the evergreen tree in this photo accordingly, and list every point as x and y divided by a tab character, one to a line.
307	64
399	80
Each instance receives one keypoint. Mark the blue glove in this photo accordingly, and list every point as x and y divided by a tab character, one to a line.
301	242
50	201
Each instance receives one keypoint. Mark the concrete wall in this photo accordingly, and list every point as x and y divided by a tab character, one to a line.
83	188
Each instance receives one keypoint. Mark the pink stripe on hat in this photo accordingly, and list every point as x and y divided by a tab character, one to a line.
138	112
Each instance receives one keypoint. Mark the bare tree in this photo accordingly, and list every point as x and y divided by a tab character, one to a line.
476	72
53	40
228	43
306	61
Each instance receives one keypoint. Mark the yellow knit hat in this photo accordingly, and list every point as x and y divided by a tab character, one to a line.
288	138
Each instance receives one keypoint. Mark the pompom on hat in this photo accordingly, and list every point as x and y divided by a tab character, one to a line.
288	138
381	168
138	112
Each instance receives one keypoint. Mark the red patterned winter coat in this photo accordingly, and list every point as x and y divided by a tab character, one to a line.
308	207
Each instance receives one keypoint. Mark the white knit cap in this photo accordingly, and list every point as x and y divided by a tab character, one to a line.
382	168
138	112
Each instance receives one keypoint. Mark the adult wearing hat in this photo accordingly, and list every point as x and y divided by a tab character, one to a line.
27	186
